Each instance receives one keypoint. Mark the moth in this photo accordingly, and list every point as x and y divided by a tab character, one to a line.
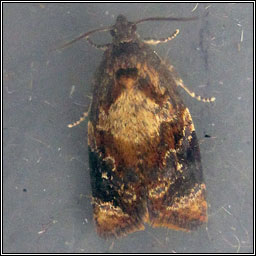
144	156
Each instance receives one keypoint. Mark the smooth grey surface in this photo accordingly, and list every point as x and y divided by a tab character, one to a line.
46	186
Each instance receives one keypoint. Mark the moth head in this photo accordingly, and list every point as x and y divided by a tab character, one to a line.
123	31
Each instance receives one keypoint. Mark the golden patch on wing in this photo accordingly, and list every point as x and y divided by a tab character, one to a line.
129	122
136	127
134	122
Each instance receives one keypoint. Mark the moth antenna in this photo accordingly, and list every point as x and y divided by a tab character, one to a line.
154	41
165	19
102	47
82	118
85	35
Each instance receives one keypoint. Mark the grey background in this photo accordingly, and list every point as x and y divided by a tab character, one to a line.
46	186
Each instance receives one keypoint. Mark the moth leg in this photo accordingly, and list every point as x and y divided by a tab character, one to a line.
82	118
154	41
102	47
180	83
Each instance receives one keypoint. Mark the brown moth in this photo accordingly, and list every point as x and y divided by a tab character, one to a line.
143	150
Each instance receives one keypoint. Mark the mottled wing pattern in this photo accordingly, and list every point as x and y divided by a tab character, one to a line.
117	199
119	194
176	197
143	151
